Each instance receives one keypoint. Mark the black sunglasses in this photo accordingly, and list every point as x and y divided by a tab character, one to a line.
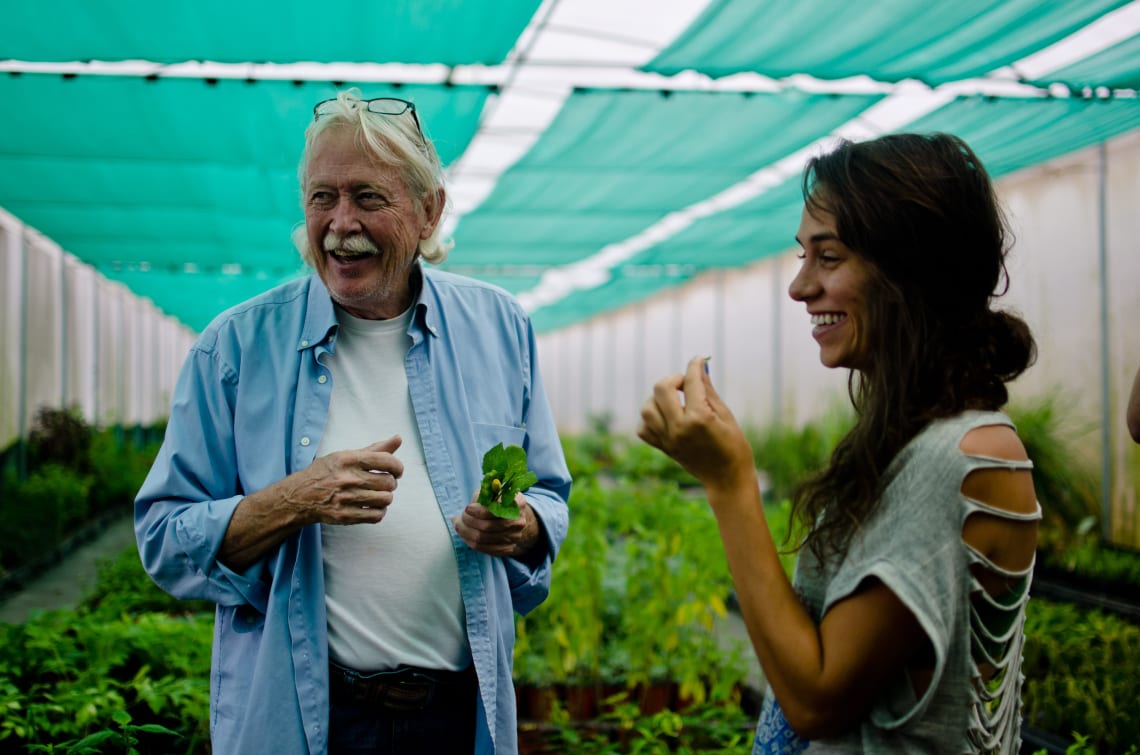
378	105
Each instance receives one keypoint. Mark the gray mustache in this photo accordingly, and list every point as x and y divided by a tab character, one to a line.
357	244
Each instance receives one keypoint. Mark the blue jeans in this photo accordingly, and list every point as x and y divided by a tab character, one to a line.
442	727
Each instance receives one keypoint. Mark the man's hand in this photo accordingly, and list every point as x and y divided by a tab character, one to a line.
344	487
507	538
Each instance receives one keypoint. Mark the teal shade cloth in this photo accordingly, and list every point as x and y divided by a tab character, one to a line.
886	40
1115	67
186	189
160	175
613	163
449	32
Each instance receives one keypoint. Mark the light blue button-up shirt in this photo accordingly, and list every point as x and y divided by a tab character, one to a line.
249	409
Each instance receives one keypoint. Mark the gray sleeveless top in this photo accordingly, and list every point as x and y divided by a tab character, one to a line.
913	544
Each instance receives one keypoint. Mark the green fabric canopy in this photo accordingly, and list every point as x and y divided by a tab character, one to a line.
888	41
613	163
449	32
161	175
183	185
1117	67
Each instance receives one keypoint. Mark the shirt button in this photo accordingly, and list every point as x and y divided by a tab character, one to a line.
305	441
304	344
323	379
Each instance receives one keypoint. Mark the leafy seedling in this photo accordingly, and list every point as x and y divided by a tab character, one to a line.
504	475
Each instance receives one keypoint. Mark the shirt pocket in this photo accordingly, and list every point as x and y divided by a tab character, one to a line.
487	436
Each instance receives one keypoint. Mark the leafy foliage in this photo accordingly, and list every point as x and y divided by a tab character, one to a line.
638	593
78	475
1067	487
107	678
118	466
1080	668
788	455
639	589
37	513
60	436
505	475
1101	562
124	589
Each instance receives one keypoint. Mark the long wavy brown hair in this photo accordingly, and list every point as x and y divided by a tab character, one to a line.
921	209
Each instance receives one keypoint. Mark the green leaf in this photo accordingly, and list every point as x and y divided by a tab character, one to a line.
505	475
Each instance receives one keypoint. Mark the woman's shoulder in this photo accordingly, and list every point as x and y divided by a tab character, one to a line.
987	433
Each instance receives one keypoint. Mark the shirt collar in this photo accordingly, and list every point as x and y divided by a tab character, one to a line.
320	317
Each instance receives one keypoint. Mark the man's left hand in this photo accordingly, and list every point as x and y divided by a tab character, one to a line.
507	538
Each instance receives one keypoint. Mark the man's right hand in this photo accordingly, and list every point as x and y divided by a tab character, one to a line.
344	487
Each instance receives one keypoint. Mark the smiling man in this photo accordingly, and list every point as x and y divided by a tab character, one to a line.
321	463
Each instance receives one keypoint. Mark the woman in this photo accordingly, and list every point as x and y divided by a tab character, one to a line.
902	630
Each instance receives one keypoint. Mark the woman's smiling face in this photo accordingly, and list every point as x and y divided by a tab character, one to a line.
833	281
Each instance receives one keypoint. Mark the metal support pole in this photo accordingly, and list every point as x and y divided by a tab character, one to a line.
22	368
675	310
639	345
1105	420
584	361
64	315
721	348
611	391
96	362
777	345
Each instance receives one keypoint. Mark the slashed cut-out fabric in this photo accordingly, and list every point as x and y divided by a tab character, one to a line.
913	544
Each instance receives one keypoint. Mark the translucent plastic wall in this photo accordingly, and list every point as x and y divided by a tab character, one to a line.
72	338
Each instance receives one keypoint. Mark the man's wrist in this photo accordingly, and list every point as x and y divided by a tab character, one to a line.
533	552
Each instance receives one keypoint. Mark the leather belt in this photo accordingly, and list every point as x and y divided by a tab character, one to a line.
406	689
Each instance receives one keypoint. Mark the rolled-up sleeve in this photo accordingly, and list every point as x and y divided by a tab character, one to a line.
530	585
185	504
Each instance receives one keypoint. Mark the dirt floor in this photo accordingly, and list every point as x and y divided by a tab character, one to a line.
64	584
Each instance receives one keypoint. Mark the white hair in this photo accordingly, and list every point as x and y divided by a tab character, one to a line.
394	140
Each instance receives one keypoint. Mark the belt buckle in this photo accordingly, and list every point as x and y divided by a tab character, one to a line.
405	695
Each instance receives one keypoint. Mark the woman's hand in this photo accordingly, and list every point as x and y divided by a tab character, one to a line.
687	420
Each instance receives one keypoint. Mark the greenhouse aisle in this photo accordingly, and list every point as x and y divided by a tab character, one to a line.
64	585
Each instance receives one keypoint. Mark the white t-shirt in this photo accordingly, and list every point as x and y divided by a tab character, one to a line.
392	588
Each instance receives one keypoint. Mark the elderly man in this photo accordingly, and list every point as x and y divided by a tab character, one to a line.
318	471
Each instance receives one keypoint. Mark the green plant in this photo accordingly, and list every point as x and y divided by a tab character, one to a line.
1081	746
561	640
123	588
118	468
123	673
788	455
636	590
67	676
505	475
121	736
1094	559
38	512
717	729
1080	673
60	436
1066	485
